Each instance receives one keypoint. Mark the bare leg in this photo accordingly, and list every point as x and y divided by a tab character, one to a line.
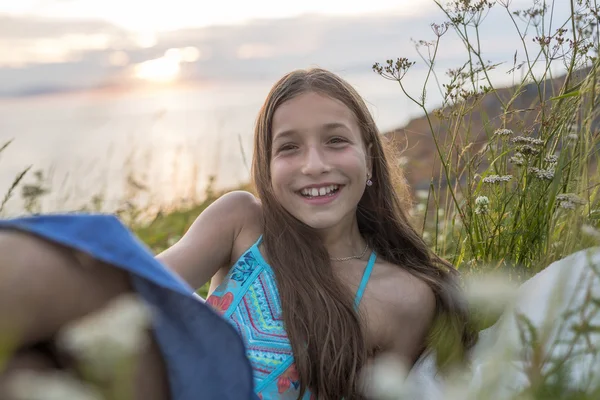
45	286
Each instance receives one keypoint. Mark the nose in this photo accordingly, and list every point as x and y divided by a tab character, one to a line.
315	162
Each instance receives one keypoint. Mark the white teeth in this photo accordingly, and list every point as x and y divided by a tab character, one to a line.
322	191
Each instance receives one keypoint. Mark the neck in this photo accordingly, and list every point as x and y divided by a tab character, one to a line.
344	239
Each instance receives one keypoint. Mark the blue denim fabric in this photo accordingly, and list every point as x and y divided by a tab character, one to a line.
204	355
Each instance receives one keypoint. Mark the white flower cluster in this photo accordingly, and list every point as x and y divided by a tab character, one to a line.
102	339
527	140
590	231
497	178
569	201
31	385
518	159
528	150
503	132
543	174
385	378
551	159
482	203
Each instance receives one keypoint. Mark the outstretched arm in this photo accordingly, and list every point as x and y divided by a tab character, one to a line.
207	246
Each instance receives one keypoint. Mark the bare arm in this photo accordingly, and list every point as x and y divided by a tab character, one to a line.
207	246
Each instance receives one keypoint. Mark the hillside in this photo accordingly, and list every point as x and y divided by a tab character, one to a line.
416	142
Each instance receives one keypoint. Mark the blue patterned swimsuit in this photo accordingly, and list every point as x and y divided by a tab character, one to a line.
249	300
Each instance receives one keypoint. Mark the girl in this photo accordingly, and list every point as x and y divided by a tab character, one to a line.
323	271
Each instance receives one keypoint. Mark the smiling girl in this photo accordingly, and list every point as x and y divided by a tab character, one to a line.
327	270
320	273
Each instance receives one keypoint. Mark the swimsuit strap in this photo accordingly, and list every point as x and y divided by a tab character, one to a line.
365	279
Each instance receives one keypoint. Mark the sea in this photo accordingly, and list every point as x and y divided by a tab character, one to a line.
158	146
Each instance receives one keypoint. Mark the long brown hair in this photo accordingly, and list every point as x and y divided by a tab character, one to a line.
321	323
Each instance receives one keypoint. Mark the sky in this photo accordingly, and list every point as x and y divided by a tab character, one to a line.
58	45
146	16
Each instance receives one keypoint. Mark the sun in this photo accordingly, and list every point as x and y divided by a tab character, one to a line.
167	68
160	70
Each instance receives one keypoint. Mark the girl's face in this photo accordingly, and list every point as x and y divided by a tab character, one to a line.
319	163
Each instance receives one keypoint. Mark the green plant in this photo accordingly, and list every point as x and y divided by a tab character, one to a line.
512	188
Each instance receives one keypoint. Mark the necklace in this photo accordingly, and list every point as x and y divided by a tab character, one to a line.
351	257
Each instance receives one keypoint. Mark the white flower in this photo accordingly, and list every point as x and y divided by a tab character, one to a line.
482	203
497	178
30	385
422	194
517	159
493	290
571	197
503	132
569	201
551	159
426	236
590	231
544	174
527	140
567	205
102	339
385	378
528	150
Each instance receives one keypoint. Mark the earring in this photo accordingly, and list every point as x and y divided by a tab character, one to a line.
369	181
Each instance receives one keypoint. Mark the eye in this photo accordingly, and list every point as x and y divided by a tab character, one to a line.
287	147
338	140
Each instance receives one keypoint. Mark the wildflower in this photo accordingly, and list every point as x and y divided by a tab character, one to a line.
528	150
112	334
573	137
590	231
569	201
518	159
426	236
422	194
572	197
385	378
551	159
491	290
503	132
527	140
567	205
30	385
543	174
482	203
497	178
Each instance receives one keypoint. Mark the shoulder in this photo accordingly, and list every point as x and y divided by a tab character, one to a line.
239	200
409	304
241	206
401	290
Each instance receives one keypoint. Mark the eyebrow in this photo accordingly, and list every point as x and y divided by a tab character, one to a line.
327	127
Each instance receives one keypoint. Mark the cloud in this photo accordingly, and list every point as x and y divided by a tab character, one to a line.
80	54
24	28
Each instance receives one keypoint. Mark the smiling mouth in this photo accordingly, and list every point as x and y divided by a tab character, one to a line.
325	191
